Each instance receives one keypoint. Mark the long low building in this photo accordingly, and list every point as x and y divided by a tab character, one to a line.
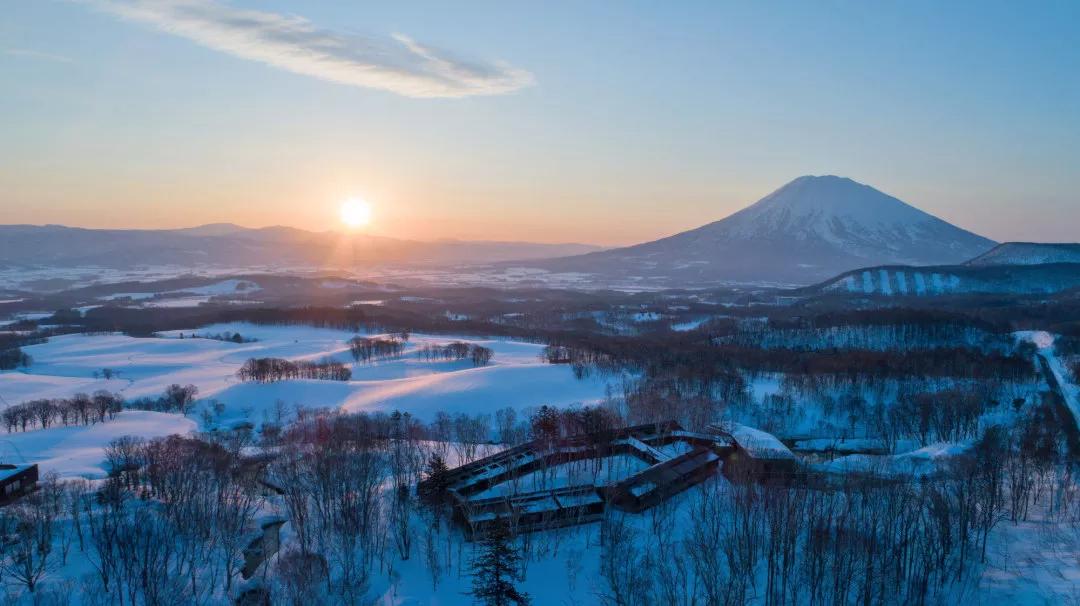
527	487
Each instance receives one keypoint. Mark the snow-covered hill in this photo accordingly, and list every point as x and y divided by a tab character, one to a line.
900	281
808	230
1028	253
144	367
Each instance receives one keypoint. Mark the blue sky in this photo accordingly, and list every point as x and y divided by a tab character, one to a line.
601	122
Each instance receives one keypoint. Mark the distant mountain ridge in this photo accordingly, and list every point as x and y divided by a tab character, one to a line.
228	245
1028	253
944	280
809	230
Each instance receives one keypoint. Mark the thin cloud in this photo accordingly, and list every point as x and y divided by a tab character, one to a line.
397	64
33	54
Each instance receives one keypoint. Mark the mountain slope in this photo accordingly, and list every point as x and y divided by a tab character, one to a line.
1028	253
930	281
234	246
808	230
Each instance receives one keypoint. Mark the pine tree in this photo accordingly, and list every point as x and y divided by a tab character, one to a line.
435	485
494	569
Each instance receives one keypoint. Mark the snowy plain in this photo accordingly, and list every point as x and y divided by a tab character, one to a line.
1031	563
144	367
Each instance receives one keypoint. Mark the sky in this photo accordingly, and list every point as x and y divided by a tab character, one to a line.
608	123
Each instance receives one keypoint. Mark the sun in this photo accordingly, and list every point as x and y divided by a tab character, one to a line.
355	213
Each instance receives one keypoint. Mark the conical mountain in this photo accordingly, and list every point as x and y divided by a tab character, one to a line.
808	230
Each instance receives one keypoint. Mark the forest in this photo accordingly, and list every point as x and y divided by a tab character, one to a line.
925	438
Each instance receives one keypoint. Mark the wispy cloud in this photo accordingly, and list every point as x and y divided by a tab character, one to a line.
33	54
395	63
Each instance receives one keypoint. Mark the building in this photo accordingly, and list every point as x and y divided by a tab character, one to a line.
16	481
503	490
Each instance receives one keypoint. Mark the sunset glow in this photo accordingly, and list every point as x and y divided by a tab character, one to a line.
355	213
416	300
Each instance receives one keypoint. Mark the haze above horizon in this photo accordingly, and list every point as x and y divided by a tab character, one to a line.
607	124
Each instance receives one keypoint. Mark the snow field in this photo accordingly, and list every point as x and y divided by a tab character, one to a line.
79	451
65	366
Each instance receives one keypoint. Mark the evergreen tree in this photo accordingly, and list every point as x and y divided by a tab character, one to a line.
494	569
437	473
545	424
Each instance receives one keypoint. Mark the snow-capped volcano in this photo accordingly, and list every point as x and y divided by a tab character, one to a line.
808	230
857	219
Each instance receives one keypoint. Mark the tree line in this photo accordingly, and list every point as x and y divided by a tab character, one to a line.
457	350
99	407
269	370
80	409
175	398
10	359
367	349
172	521
876	337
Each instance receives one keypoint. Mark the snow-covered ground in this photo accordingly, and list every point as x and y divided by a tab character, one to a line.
79	451
927	461
187	297
1031	563
689	325
66	365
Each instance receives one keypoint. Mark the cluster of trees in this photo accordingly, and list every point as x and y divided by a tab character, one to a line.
548	423
333	476
582	358
1067	347
231	337
928	319
101	406
367	349
152	320
947	416
458	350
269	370
940	362
11	343
33	539
871	545
14	339
105	373
694	400
168	526
11	359
894	409
80	409
864	542
691	379
702	354
176	398
874	337
172	521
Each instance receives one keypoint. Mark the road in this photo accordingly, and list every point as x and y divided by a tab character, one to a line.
1059	400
